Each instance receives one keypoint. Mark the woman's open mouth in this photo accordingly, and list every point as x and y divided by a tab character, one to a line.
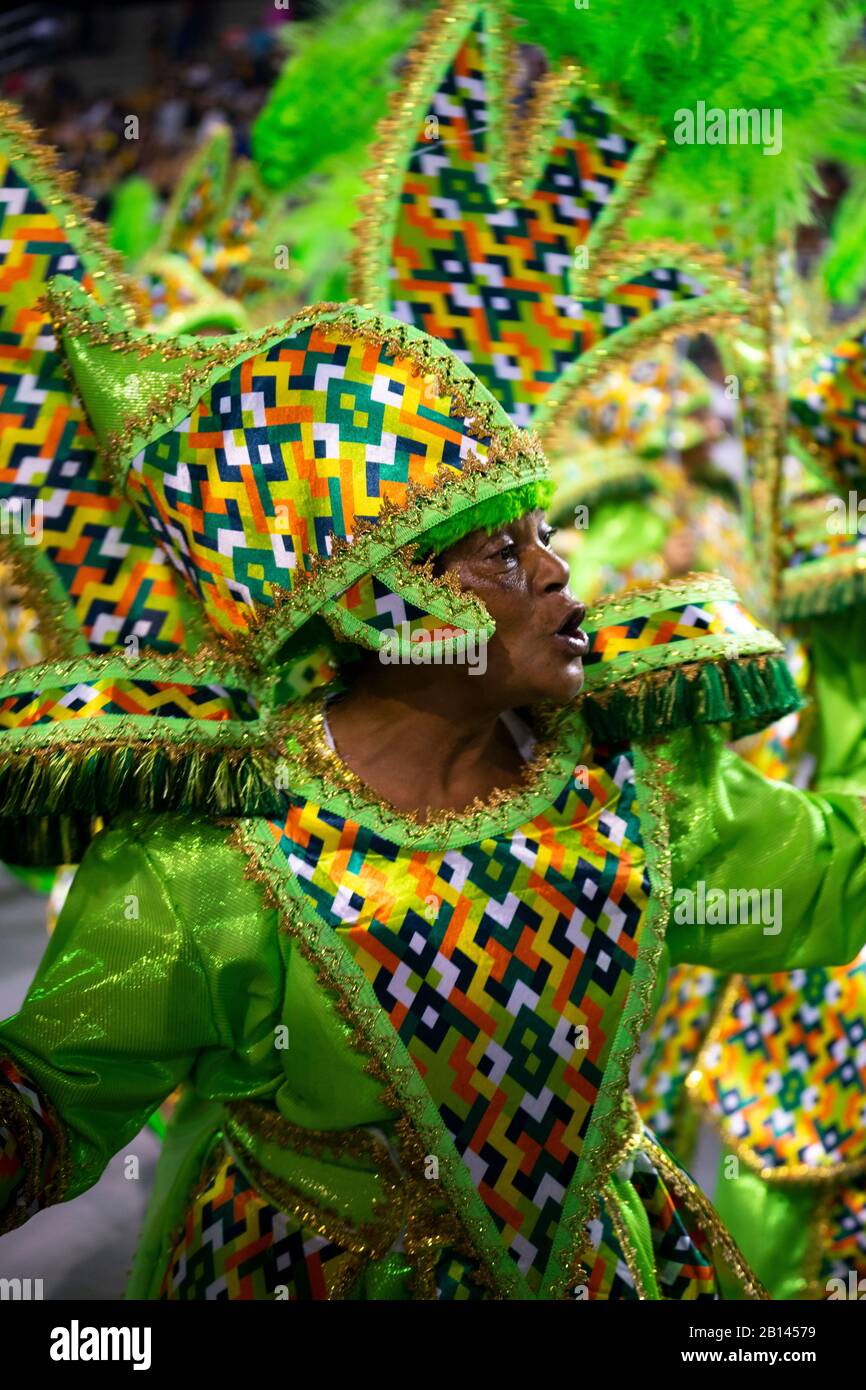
571	635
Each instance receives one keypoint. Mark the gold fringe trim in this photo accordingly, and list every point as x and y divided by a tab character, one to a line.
316	761
35	586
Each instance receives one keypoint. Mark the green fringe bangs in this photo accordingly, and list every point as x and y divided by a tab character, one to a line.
748	693
50	798
487	516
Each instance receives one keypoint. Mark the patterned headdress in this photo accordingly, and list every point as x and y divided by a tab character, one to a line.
240	499
285	480
823	543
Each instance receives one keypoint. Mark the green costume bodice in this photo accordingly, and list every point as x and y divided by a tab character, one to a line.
384	1033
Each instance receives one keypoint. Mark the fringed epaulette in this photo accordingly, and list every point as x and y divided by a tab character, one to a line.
84	739
680	653
825	554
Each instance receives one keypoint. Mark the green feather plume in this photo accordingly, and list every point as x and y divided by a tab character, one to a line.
790	55
843	269
332	90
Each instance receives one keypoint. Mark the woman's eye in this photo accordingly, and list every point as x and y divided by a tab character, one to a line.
508	552
547	535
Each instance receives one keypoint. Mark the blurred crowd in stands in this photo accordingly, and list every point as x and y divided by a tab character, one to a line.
201	64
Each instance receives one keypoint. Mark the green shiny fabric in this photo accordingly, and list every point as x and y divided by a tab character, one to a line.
166	967
773	1226
633	1215
837	647
733	829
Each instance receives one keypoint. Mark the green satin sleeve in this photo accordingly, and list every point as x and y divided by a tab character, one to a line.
775	1226
731	829
837	648
164	965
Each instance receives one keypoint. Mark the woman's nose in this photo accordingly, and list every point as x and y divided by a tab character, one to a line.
552	572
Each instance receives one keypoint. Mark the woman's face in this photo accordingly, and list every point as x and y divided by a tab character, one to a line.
538	648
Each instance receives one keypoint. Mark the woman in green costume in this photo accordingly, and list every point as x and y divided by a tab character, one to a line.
398	949
401	992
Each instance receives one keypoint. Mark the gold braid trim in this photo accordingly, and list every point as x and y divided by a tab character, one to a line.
409	1204
652	594
442	371
454	1230
622	260
372	232
37	593
820	1240
372	1239
638	340
701	1208
630	1143
24	141
317	761
584	1252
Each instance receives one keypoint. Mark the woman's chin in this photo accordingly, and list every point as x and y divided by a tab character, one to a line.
559	687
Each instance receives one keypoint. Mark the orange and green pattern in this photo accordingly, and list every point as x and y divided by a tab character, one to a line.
670	1051
845	1248
683	622
295	449
493	278
828	411
234	1244
62	705
115	578
683	1266
785	1078
504	967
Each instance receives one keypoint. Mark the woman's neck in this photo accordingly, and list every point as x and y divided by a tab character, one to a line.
424	749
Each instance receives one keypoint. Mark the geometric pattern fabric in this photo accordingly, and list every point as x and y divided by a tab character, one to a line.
786	1075
670	1049
115	576
828	411
492	280
112	696
234	1244
504	967
292	450
681	623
